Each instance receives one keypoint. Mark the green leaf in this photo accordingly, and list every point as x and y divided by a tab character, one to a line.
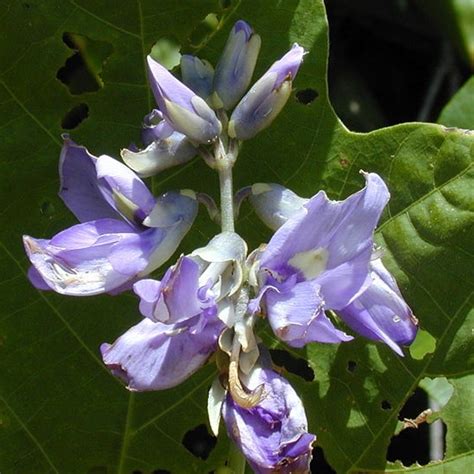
459	112
60	410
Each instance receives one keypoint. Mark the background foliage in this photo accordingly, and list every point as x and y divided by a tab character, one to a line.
60	410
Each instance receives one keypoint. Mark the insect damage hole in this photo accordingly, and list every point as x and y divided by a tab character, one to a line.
292	364
75	117
306	96
81	71
199	442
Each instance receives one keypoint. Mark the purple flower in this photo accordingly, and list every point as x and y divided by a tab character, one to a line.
124	234
273	435
266	98
318	260
182	317
164	147
183	110
380	313
236	65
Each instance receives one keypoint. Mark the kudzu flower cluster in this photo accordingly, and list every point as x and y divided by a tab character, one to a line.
321	257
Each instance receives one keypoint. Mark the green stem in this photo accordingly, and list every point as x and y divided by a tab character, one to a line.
227	197
236	460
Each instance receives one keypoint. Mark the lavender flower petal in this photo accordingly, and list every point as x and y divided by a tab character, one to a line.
80	189
185	111
266	98
197	74
327	245
274	204
156	356
273	436
297	316
124	190
160	155
236	65
381	313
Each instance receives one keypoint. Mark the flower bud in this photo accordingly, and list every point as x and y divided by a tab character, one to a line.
236	65
184	111
274	204
266	98
197	74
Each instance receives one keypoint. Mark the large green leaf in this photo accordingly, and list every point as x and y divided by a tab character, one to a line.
60	411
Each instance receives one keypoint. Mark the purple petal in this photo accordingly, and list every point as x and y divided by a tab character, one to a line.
75	262
297	316
273	436
287	67
197	74
274	204
185	111
80	189
154	127
155	356
176	298
381	313
37	280
266	98
124	190
148	291
103	255
160	155
236	65
331	242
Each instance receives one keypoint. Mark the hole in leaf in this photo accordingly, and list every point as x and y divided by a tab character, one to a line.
161	471
319	465
412	444
166	52
81	71
75	116
351	366
292	364
306	96
199	442
203	30
386	405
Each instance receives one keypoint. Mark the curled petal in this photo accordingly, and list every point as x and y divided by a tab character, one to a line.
236	65
266	98
156	356
273	435
155	127
160	155
185	111
381	313
275	204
